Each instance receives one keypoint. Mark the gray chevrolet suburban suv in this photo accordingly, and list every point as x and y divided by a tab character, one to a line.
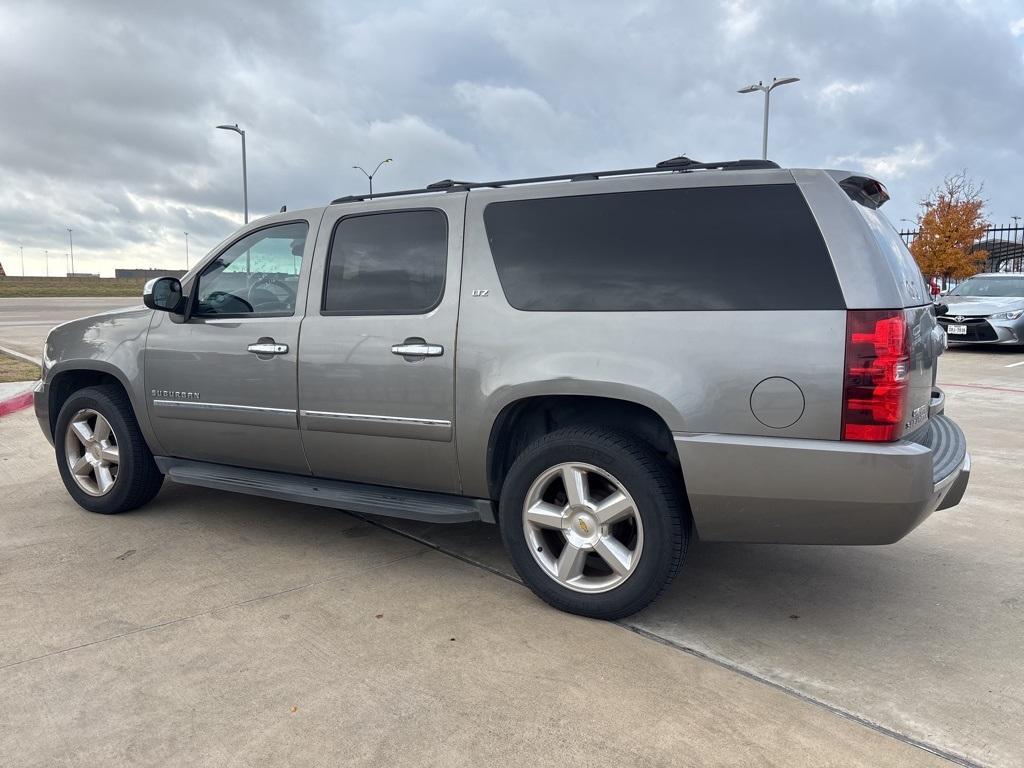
605	364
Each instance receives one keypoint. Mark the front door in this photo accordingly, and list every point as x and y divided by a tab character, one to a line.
222	386
377	360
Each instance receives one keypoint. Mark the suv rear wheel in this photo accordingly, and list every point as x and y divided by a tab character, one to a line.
594	521
101	454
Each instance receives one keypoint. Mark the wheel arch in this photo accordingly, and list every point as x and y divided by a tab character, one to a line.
522	421
69	377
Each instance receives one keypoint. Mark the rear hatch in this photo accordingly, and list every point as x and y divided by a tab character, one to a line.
892	353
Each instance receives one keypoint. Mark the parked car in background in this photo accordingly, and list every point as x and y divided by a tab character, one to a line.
986	309
606	364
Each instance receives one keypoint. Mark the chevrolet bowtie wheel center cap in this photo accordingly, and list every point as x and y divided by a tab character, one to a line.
584	526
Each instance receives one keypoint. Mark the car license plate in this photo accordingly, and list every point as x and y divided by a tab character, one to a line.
956	330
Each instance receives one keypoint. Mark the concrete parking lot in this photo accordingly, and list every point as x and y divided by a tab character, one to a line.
218	629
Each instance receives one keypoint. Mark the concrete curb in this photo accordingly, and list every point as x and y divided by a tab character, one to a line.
16	402
20	355
11	403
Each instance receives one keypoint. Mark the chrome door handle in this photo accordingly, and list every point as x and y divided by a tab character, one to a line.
417	349
267	348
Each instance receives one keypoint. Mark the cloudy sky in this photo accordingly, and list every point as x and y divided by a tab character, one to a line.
108	107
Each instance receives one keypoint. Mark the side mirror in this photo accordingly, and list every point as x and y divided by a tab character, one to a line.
164	294
941	309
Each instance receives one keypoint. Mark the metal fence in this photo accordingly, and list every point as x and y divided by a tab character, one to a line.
1005	247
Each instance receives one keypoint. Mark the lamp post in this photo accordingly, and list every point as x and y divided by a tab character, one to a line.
245	181
46	255
767	89
71	244
21	250
371	175
186	251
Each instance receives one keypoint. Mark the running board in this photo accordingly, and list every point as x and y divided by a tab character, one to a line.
354	497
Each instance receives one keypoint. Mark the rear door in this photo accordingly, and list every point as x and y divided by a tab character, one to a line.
377	359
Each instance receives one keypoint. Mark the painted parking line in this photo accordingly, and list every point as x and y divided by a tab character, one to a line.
1014	365
984	386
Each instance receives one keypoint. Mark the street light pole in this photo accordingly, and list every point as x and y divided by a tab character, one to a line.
21	249
767	89
245	179
186	251
71	243
371	175
46	255
764	128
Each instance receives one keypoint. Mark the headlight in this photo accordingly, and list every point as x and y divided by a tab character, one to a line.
1012	315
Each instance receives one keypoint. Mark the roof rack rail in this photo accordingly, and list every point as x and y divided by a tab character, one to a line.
448	184
679	164
683	163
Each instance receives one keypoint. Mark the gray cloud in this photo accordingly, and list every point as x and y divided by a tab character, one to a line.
109	106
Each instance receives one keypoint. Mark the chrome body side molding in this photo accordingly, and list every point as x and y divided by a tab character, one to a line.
227	413
373	424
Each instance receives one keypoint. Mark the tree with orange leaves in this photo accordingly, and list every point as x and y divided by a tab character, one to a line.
951	221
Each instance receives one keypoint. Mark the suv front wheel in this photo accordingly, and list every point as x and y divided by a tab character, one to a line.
102	457
594	521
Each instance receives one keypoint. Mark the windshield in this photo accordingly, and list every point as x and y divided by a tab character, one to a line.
990	286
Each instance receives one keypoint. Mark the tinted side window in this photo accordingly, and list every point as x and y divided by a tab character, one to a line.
706	248
258	275
387	263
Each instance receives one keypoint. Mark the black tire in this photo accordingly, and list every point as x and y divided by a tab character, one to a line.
138	479
657	490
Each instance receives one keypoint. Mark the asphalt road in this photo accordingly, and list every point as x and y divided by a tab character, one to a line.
24	322
190	629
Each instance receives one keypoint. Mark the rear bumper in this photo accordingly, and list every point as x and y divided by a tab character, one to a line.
792	491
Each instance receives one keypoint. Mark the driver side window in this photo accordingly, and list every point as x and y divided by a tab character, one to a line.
258	275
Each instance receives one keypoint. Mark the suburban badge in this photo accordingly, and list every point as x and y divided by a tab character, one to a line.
170	394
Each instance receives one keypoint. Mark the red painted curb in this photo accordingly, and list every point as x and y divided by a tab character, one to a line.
16	403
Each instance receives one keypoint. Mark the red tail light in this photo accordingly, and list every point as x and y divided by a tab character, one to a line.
877	374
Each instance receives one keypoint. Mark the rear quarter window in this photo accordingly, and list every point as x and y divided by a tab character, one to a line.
707	248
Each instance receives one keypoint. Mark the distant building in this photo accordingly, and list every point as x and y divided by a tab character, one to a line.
83	274
146	274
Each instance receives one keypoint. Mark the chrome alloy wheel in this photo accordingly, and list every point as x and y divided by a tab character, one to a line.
583	527
90	448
